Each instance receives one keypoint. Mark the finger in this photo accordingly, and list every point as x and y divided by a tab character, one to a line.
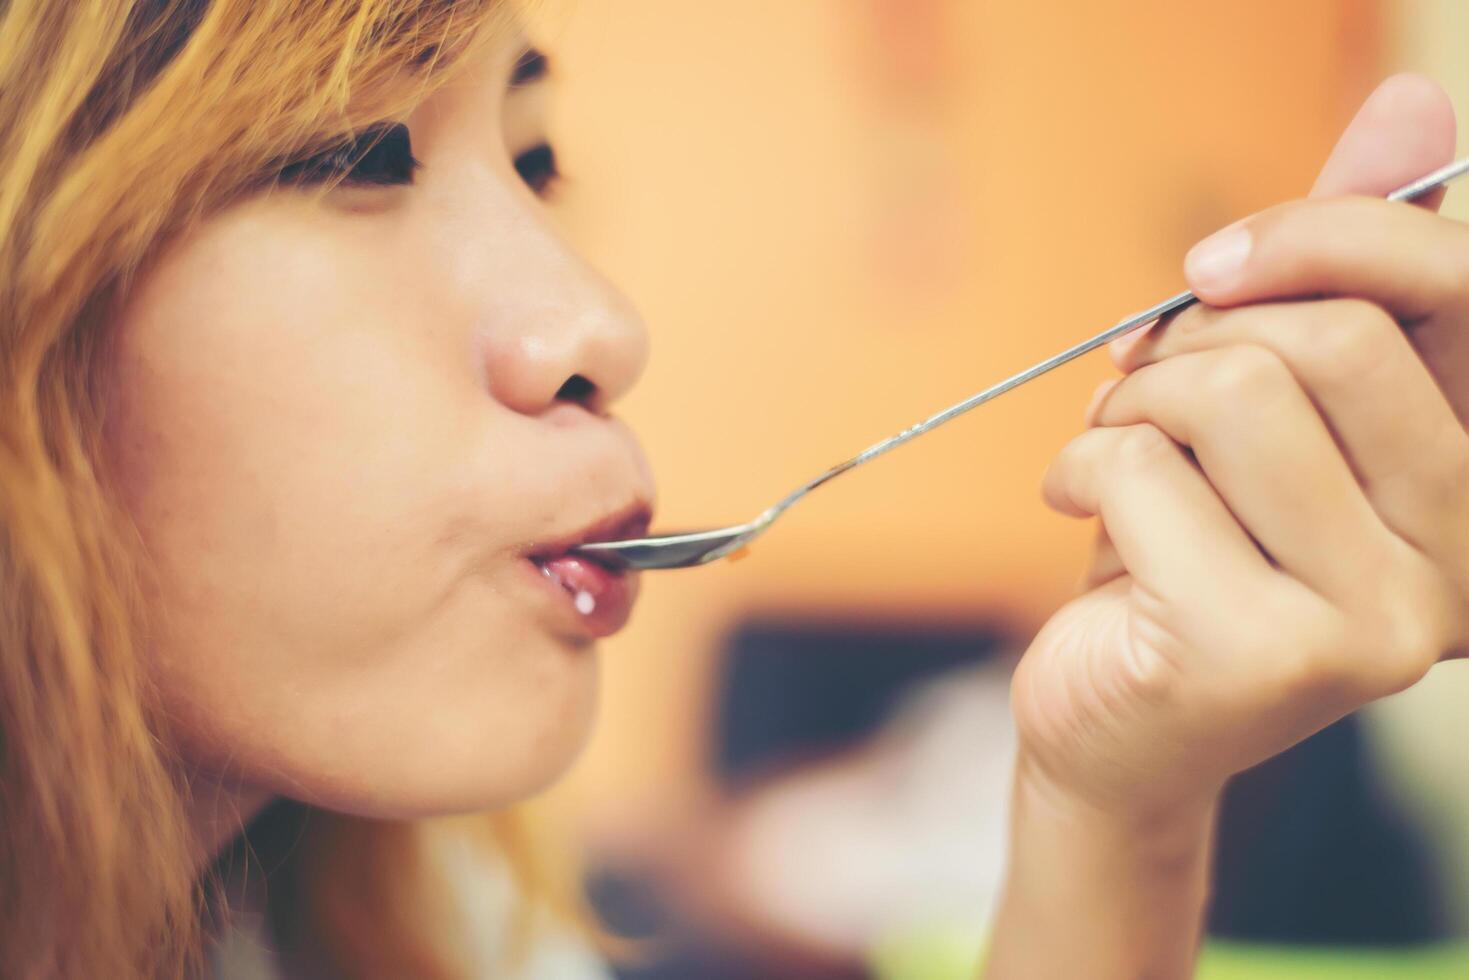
1411	262
1105	565
1267	452
1169	527
1404	130
1399	433
1098	396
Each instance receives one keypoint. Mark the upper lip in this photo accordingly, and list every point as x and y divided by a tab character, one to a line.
630	521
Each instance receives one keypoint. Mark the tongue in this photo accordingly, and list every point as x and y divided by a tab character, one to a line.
583	579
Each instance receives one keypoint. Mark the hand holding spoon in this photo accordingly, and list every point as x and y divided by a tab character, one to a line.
701	547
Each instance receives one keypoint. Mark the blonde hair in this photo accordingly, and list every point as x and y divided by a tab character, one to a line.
121	123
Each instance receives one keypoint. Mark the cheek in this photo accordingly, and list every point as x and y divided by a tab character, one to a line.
302	438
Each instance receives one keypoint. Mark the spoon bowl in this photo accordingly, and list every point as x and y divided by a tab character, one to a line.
673	550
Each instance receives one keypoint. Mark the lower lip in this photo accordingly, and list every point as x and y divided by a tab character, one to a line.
599	599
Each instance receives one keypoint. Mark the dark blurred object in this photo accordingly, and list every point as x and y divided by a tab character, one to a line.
1311	852
679	949
791	689
1308	851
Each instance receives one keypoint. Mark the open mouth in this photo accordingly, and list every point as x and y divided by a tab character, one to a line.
600	596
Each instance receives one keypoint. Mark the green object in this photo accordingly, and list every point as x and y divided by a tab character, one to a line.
1239	962
940	954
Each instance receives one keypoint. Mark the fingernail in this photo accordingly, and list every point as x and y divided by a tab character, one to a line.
1122	346
1095	405
1216	263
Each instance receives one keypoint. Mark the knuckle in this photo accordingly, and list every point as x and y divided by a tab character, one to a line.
1244	373
1135	455
1323	667
1075	471
1349	339
1149	674
1409	628
1367	652
1404	648
1286	232
1067	461
1330	659
1143	446
1081	450
1300	237
1315	654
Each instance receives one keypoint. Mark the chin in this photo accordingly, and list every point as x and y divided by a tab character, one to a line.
453	729
450	783
540	767
530	746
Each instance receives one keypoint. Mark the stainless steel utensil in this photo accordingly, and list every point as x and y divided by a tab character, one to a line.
701	547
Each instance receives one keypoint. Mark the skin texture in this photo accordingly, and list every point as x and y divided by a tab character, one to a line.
1280	478
336	425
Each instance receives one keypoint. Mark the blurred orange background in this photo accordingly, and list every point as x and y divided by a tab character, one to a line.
832	236
841	215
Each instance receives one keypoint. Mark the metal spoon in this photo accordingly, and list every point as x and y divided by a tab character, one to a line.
701	547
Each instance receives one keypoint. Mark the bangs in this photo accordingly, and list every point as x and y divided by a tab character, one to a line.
186	106
358	47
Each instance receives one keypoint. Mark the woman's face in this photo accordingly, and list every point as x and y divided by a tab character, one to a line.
357	434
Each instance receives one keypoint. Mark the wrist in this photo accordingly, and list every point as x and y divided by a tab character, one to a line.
1144	826
1099	889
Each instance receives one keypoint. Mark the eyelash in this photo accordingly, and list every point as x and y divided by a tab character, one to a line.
383	157
380	157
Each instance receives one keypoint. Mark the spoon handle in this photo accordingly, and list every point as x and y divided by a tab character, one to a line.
1173	304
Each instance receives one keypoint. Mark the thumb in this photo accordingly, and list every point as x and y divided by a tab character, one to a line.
1404	130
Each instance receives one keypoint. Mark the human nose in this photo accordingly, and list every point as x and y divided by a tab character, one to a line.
560	332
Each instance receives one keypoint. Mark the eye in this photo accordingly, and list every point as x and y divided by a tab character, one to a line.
379	157
537	167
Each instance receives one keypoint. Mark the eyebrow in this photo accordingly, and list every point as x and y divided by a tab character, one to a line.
531	66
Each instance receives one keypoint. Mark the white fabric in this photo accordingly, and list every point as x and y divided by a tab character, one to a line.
910	832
